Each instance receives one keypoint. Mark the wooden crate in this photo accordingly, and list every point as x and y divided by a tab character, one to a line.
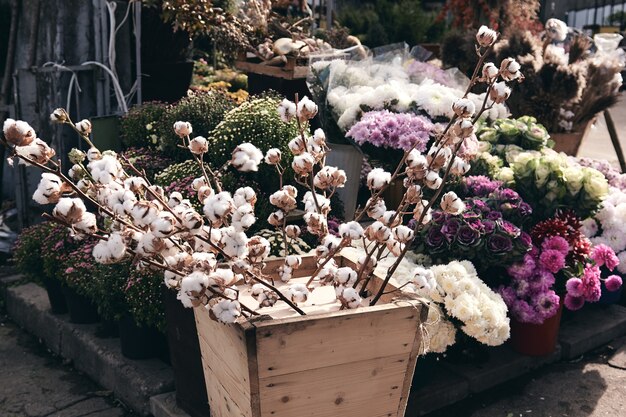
351	363
290	71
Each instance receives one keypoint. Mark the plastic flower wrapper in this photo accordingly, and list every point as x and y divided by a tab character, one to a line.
550	180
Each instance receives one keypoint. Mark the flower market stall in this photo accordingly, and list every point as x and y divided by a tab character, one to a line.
472	231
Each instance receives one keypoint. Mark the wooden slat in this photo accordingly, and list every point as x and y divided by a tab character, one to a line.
370	388
296	344
297	72
225	363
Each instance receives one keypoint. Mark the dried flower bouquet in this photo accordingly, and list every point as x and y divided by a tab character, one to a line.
206	257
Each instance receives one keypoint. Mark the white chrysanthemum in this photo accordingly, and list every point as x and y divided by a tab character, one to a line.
246	157
589	227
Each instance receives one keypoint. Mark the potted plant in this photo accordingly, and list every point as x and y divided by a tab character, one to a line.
248	307
27	255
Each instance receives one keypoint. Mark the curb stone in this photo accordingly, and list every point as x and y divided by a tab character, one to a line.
132	381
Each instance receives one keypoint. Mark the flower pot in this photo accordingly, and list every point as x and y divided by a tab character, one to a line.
394	193
182	336
165	81
82	310
137	342
569	143
108	329
536	339
610	297
350	159
55	295
349	363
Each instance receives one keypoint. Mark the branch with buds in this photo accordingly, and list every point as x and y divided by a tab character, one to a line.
205	255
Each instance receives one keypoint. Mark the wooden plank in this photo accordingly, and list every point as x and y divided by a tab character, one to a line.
370	388
297	72
225	363
335	338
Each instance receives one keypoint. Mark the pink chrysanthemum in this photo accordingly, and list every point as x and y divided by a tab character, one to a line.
556	243
603	255
574	287
573	303
552	260
613	283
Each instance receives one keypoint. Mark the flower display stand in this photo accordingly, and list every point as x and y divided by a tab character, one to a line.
351	363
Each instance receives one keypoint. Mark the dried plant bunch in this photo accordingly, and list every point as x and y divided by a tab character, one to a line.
207	256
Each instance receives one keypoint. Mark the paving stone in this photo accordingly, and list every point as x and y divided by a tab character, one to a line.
164	405
85	408
618	360
133	381
590	328
442	389
504	364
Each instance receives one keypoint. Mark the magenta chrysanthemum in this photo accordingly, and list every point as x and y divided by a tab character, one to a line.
552	260
613	283
573	303
603	255
556	243
574	287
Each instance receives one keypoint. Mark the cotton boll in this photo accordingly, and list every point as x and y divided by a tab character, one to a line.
244	195
135	184
264	296
106	170
234	243
175	199
217	207
276	218
258	249
350	298
284	272
144	213
286	110
402	233
311	202
499	92
377	179
221	278
351	230
87	224
486	36
330	177
70	210
198	145
327	244
433	180
303	164
345	276
225	311
49	189
394	247
192	221
111	250
327	273
306	109
297	146
390	218
182	129
378	232
376	208
164	225
18	132
283	200
293	261
452	204
243	217
149	244
246	157
198	183
292	231
316	223
298	293
38	151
